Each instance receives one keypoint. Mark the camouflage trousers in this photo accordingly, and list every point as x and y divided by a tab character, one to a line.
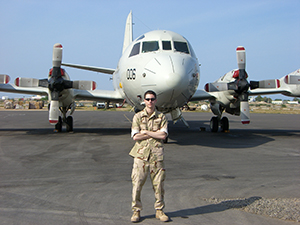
139	175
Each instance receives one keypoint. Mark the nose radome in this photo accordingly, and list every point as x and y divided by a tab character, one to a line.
173	80
168	72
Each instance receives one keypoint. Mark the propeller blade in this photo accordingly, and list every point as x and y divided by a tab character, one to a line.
244	108
57	55
4	79
43	83
245	114
68	84
54	95
241	58
292	79
220	86
84	85
26	82
211	87
275	83
54	112
30	82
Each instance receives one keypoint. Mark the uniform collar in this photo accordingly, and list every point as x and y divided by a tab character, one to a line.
154	114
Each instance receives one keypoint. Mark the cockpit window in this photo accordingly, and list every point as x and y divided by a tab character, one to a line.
181	47
166	45
140	38
150	46
135	50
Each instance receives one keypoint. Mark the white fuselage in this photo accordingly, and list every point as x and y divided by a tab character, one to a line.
162	61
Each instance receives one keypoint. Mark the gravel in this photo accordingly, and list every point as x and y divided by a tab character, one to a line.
280	208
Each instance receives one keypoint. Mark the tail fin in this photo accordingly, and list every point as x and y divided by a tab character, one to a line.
128	32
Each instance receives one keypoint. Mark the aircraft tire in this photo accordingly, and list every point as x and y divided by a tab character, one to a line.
58	126
69	125
224	124
214	124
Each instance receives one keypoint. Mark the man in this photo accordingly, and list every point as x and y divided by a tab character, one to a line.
149	129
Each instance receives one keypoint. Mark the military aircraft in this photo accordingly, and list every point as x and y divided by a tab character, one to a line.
162	61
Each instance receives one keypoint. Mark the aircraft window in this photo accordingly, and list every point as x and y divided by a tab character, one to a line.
166	45
150	46
181	47
140	38
135	50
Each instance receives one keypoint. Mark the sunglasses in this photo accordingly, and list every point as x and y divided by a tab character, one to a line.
148	99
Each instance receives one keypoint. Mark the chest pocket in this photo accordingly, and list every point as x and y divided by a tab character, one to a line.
143	124
156	124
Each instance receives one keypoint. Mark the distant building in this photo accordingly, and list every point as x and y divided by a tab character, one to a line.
37	97
293	102
251	99
277	102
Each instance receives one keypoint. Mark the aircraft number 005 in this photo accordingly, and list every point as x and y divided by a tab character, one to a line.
131	75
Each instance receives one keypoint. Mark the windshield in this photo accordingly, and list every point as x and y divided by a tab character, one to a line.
181	47
150	46
135	50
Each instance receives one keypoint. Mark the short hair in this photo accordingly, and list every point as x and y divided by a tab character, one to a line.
150	92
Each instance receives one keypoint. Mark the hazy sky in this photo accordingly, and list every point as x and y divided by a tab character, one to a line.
91	32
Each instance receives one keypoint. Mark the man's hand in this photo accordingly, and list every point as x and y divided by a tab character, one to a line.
146	134
157	134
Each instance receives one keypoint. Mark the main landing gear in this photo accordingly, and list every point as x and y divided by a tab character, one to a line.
68	121
215	122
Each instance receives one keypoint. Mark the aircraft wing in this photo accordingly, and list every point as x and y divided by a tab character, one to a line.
271	91
98	95
288	85
202	95
24	90
90	68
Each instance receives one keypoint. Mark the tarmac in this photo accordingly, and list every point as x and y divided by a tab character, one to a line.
83	177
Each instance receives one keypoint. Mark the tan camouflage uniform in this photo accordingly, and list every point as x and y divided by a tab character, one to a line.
148	157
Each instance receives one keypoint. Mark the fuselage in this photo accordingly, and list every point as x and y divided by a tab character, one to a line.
162	61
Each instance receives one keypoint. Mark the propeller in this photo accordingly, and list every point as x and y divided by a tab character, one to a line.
56	83
240	85
243	85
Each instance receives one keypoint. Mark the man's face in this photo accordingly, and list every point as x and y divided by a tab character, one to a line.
150	101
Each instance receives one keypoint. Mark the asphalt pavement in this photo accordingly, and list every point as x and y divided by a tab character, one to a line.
83	177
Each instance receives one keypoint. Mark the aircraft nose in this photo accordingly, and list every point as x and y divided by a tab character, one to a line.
167	73
172	80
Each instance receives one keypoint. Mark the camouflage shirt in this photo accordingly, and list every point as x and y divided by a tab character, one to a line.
142	149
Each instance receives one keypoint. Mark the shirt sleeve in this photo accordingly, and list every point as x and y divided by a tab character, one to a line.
164	125
135	128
